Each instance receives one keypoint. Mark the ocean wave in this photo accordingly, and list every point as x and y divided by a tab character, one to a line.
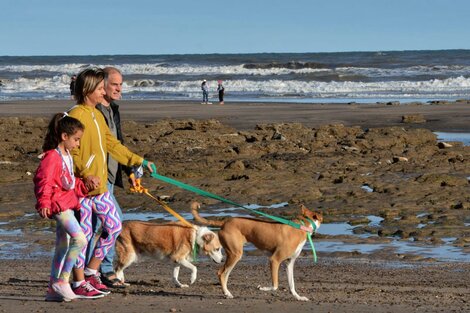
160	69
58	86
407	72
292	65
292	70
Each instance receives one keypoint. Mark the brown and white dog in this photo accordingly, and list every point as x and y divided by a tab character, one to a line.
284	242
170	240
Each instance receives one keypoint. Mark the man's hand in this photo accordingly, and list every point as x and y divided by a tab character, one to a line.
150	166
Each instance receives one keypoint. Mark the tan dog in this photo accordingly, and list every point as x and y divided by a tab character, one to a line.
171	240
282	241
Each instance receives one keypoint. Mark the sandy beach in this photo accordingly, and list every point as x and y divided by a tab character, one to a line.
452	116
267	153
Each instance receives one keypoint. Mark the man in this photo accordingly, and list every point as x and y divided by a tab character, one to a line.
110	111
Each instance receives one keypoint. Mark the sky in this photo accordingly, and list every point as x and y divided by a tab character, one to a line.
101	27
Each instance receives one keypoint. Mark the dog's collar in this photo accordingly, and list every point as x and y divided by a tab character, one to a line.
311	229
309	237
313	224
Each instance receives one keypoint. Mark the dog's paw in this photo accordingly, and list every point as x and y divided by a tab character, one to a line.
302	298
266	288
184	286
228	295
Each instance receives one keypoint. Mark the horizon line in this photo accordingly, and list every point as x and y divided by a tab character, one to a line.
233	53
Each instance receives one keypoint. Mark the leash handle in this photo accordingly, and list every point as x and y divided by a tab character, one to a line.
138	188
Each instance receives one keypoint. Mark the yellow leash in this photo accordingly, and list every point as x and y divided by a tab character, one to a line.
140	189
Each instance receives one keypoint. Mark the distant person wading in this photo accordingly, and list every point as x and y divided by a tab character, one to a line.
205	92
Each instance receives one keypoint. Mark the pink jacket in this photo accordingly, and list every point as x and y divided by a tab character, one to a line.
48	188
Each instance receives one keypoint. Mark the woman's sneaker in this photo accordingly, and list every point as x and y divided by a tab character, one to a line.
87	291
64	290
51	295
96	282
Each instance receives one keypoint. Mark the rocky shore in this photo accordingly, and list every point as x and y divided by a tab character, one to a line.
398	172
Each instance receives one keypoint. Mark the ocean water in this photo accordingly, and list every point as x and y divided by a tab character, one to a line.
301	77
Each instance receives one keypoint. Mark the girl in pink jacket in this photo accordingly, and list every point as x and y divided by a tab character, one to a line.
57	191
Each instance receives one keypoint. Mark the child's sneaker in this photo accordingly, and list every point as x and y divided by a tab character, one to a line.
64	290
87	291
51	295
95	281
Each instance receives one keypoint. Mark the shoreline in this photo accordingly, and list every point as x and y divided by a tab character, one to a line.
445	117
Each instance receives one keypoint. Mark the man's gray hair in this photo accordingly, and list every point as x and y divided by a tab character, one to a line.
108	71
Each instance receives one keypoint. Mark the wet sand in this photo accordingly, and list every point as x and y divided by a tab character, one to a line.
452	116
339	282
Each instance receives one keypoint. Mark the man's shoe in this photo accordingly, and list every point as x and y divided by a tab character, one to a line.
112	282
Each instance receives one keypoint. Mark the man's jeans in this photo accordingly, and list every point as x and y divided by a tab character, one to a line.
107	264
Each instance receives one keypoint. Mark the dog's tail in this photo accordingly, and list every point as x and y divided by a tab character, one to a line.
201	220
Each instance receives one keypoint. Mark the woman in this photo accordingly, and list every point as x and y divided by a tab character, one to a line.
90	161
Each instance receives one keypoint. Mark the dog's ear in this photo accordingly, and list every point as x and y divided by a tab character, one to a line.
208	237
304	210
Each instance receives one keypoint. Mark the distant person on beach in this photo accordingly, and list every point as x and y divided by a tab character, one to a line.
72	85
110	110
90	160
220	90
205	92
58	191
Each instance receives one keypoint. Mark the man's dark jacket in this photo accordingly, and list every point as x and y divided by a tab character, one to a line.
117	122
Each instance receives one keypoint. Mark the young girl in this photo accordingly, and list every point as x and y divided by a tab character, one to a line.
57	191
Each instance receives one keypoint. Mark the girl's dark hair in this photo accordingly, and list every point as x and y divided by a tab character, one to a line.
59	124
86	83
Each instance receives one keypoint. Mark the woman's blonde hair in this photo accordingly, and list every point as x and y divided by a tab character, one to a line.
87	81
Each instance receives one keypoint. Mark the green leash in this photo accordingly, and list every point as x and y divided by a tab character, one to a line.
195	251
309	236
214	196
201	192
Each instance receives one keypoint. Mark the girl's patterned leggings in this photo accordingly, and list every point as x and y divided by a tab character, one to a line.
103	206
70	240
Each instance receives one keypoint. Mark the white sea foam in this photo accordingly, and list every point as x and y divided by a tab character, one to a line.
187	69
451	86
412	71
69	68
159	69
58	86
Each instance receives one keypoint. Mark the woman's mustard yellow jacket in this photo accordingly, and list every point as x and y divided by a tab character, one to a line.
97	141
